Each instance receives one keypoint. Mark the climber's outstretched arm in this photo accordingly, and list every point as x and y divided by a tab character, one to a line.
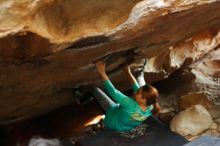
131	78
133	81
119	97
100	66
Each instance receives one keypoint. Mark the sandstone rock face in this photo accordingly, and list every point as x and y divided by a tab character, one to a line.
214	111
196	74
192	121
213	126
47	47
191	99
217	121
218	128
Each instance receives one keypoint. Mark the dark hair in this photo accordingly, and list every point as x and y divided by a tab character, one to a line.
151	94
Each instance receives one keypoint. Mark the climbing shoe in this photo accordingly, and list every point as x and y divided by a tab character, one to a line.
83	95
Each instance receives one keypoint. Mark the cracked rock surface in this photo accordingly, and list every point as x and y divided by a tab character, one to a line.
48	47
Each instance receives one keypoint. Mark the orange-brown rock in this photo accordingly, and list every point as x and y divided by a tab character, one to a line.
191	99
47	47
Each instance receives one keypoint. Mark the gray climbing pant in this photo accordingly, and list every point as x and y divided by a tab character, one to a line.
103	99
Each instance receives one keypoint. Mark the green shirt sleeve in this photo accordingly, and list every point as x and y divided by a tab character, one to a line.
119	97
135	87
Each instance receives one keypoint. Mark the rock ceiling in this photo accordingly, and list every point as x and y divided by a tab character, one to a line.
48	47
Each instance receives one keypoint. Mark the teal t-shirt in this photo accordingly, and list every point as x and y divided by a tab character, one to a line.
127	114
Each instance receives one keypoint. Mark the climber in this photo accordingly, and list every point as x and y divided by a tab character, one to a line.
125	113
122	113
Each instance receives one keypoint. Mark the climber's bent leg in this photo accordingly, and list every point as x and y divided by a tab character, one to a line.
104	100
85	94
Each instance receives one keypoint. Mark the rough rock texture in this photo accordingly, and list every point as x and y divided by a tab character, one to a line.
218	128
193	99
184	124
198	59
217	121
48	47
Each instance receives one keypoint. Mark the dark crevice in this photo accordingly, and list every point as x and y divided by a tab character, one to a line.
3	137
111	60
156	43
89	41
32	64
11	120
168	85
19	108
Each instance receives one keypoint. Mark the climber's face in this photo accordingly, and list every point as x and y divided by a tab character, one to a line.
140	97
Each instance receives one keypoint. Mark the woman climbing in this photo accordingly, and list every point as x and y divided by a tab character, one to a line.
125	113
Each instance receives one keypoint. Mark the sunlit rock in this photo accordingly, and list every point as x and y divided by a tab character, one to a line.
194	69
213	126
192	121
48	47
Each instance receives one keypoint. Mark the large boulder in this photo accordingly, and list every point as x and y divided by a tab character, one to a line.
192	121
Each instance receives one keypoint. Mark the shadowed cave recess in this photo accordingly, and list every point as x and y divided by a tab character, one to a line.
49	47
